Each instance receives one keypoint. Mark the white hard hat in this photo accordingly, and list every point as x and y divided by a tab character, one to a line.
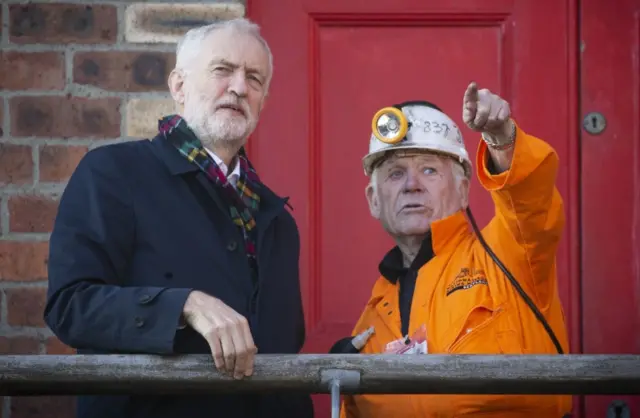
415	125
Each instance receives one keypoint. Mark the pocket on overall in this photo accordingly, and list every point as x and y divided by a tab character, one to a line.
485	329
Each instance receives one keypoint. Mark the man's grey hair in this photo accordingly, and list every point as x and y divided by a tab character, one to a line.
189	47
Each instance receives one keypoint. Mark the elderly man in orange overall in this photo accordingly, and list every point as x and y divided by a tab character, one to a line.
469	296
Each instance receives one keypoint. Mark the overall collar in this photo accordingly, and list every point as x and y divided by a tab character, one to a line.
443	237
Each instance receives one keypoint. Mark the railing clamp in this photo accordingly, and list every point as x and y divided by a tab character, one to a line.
336	379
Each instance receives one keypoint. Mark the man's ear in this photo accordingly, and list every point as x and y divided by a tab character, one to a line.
374	202
262	102
176	86
464	192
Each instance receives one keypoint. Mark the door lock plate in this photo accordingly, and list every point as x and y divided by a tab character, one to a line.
594	123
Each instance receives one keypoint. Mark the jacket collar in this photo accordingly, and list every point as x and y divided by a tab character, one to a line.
168	154
178	165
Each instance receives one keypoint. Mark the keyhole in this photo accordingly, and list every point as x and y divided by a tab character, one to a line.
619	411
594	123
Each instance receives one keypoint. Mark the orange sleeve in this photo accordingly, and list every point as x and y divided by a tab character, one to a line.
529	209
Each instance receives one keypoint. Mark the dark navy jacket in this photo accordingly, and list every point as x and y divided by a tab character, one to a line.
137	229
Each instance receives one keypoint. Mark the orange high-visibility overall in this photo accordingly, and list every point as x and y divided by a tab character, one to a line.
467	303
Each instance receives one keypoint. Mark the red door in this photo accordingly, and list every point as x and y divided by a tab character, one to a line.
337	62
611	185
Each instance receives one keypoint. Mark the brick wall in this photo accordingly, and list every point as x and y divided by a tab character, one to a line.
72	77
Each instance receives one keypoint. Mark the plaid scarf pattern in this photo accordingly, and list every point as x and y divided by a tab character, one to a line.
242	202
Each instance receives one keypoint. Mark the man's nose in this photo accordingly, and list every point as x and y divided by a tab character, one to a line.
238	83
412	182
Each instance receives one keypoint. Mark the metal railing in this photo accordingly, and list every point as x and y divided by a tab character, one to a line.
24	375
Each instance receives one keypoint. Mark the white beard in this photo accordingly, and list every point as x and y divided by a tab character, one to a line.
218	127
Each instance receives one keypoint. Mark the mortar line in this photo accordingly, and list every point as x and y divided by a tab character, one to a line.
35	156
69	54
72	141
4	24
124	47
5	117
118	2
87	91
33	237
120	12
49	188
124	123
4	215
120	42
4	310
36	284
26	331
124	105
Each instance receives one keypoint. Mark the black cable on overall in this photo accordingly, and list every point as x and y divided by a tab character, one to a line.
515	284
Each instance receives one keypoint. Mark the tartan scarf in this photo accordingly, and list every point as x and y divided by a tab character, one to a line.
242	202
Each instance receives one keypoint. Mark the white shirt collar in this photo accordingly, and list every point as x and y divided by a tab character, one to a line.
234	175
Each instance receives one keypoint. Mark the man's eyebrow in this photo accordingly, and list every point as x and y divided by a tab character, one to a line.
234	66
396	162
391	164
222	61
429	158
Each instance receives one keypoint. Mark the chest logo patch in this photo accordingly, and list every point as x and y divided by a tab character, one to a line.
466	279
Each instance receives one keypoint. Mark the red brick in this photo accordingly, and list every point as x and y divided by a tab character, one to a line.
55	346
32	213
124	71
23	261
16	164
65	116
19	345
62	23
32	70
57	162
42	407
25	306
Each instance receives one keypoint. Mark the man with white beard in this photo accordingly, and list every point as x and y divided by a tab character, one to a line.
175	246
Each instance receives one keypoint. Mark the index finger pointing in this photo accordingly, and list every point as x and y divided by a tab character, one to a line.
471	94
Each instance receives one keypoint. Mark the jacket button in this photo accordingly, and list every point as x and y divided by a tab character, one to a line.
139	322
232	246
144	299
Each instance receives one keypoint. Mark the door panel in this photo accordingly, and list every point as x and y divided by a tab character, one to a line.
361	71
611	185
337	62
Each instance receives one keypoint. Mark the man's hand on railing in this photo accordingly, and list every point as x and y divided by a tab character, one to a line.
226	331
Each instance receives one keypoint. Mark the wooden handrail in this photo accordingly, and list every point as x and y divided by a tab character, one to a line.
442	374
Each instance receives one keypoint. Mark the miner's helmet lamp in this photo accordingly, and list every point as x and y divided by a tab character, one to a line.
414	125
